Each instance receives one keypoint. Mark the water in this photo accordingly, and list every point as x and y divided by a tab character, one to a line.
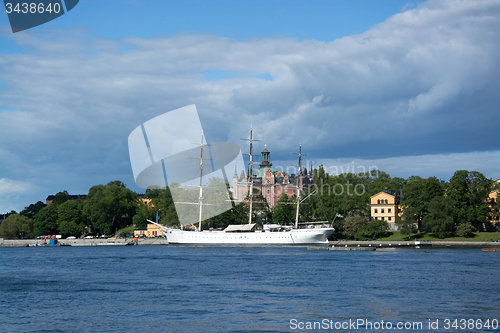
214	289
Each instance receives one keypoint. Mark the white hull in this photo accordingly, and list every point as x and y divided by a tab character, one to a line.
300	237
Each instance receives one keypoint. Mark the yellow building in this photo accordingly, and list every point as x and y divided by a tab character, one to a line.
385	206
150	230
492	217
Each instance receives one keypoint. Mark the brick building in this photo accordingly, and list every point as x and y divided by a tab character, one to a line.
271	183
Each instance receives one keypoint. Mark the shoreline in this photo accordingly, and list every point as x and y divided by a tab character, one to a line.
163	241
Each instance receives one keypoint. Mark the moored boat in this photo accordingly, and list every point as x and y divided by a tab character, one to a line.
301	234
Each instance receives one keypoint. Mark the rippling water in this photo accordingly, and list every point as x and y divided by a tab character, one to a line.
214	289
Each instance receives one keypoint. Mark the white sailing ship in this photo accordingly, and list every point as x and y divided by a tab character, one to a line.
301	234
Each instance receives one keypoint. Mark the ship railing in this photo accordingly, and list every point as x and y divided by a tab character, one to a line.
311	225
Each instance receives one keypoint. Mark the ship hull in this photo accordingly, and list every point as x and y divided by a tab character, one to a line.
294	237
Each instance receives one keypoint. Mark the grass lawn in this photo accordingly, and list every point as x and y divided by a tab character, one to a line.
128	230
478	237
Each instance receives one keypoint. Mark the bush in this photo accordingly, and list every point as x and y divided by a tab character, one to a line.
373	230
466	230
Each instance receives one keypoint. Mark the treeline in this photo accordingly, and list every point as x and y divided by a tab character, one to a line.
105	210
427	205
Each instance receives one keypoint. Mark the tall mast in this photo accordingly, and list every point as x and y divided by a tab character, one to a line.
200	197
299	185
250	176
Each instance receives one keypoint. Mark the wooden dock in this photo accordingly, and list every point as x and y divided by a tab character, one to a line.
491	250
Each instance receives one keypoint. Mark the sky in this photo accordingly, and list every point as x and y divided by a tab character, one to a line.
410	88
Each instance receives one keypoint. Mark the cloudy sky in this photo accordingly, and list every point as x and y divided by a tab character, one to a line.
410	88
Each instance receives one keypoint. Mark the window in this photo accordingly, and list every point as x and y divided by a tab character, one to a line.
268	199
268	191
378	201
388	210
382	210
389	218
268	181
386	201
382	218
376	210
279	192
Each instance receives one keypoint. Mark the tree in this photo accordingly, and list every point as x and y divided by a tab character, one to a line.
440	216
61	197
236	215
163	204
45	221
469	189
32	209
284	212
465	230
352	224
16	226
110	207
70	218
417	192
373	230
144	211
408	222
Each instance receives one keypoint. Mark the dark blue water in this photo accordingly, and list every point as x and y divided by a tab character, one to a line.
214	289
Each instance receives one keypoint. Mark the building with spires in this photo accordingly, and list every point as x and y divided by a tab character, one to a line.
270	182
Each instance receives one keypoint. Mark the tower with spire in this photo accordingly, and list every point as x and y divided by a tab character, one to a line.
271	183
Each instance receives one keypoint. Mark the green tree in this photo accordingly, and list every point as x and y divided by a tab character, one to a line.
236	215
110	207
144	211
70	218
465	230
163	204
373	230
418	192
347	194
284	212
352	224
45	221
61	197
408	222
16	226
32	209
439	218
469	189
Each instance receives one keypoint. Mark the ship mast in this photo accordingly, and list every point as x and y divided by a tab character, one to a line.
200	197
299	185
250	171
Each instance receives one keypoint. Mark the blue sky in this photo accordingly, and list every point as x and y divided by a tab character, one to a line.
411	88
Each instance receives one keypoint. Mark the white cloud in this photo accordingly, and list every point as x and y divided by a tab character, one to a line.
8	186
